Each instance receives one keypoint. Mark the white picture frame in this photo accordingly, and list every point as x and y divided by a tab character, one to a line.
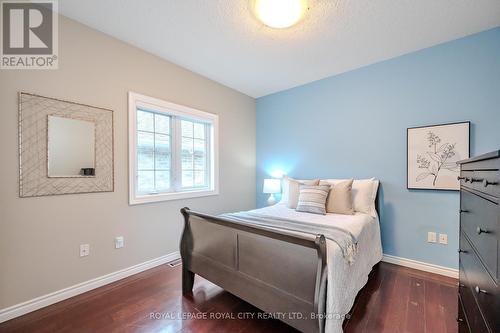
432	153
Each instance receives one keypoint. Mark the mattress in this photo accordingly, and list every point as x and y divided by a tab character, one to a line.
345	279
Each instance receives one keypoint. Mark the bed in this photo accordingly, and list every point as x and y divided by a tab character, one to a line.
306	278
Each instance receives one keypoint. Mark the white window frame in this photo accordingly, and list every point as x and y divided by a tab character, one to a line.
138	101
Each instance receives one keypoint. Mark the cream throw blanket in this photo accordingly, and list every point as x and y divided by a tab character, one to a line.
341	236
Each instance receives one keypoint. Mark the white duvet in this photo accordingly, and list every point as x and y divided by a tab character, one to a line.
344	279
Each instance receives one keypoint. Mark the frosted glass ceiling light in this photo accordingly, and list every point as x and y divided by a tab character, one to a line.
280	13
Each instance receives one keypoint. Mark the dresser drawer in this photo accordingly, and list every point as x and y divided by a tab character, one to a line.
474	317
479	220
463	326
486	164
466	178
476	282
486	181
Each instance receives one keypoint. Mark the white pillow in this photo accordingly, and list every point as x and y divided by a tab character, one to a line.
285	186
284	190
364	192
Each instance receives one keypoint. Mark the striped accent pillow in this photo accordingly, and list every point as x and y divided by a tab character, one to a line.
312	199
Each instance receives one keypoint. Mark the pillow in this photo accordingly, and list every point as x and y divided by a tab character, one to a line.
364	192
339	199
312	199
291	188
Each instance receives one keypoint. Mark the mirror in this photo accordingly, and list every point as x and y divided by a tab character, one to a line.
71	147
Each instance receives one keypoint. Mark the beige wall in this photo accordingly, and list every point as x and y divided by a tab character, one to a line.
40	237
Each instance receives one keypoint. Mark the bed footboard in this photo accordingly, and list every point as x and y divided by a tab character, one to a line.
281	273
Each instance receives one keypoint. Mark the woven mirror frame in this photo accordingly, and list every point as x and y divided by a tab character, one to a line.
34	111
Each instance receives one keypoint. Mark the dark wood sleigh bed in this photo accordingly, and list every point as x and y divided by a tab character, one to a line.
281	273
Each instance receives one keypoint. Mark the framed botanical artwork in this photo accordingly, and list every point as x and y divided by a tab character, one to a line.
432	155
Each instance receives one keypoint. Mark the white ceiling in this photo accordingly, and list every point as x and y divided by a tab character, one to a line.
220	39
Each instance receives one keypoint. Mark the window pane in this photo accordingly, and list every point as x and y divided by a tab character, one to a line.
187	128
200	162
145	121
199	179
199	146
199	154
145	151
162	124
187	154
162	180
145	181
199	131
187	178
162	151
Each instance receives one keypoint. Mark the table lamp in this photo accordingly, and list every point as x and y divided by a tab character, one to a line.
272	186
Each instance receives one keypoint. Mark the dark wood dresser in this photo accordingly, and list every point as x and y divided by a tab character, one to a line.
479	288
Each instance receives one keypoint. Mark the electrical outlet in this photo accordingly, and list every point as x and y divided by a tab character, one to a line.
119	242
443	239
431	237
84	250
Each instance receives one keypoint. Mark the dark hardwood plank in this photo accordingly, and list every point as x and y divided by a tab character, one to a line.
376	321
365	302
450	307
397	305
434	310
415	313
395	299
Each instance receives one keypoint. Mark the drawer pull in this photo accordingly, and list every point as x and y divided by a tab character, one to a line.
460	178
481	231
476	180
464	211
462	251
460	320
479	290
486	183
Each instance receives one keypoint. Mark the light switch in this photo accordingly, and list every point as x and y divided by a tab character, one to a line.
118	242
431	237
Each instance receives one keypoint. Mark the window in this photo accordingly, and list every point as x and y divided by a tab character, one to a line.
173	151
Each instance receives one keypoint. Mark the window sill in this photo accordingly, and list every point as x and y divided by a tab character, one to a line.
137	200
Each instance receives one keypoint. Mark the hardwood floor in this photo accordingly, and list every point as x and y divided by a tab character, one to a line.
399	299
395	299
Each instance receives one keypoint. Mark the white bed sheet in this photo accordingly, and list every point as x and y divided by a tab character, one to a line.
344	280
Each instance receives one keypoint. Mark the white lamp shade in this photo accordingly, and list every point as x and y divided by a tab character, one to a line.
272	186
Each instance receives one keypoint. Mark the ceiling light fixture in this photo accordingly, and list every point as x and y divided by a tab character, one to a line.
279	14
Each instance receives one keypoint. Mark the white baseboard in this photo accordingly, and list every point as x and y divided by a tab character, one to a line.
422	266
60	295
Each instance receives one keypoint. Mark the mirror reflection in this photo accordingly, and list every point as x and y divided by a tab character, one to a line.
71	147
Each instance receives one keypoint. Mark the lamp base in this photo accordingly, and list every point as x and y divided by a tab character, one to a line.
272	200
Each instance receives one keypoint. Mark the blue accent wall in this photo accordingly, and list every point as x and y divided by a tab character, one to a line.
354	125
